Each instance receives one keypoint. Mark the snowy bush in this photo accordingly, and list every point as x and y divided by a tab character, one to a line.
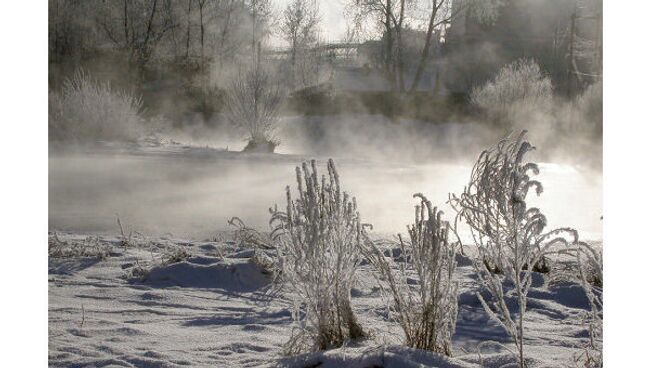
253	101
86	109
518	89
509	235
318	245
427	310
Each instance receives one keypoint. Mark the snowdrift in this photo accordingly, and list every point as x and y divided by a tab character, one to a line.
239	275
384	357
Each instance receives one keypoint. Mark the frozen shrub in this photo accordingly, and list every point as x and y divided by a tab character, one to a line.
318	245
86	109
518	89
509	235
253	101
426	310
590	268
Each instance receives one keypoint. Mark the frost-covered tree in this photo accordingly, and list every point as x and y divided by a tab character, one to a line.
510	236
426	310
517	89
318	241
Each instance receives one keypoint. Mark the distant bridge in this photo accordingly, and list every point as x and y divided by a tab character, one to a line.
330	46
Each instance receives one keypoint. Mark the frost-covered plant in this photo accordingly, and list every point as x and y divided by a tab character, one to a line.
518	88
590	268
253	101
426	310
509	235
263	246
247	236
89	247
87	109
318	248
174	254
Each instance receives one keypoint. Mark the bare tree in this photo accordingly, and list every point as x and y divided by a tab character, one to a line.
299	27
441	14
382	12
260	16
201	4
396	16
253	101
69	35
137	27
189	27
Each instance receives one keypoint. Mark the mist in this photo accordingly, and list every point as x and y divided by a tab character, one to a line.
185	167
195	194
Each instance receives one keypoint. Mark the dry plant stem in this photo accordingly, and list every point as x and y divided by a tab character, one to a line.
318	249
510	236
427	311
248	236
125	240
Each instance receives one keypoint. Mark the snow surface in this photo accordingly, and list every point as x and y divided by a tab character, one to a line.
215	309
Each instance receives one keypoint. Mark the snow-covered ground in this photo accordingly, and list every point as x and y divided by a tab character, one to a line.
133	307
215	308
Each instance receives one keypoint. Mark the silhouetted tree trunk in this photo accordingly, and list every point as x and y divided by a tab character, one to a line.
436	5
201	5
187	38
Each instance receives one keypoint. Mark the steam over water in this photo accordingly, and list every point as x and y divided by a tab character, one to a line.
194	195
